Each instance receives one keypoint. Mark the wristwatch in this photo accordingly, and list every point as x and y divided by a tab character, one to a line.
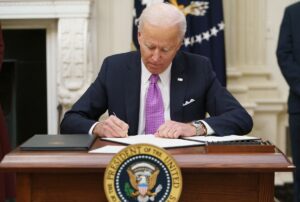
199	125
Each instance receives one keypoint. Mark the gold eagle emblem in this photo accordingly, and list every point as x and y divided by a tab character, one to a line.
143	181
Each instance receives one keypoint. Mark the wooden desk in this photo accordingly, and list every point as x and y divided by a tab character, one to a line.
209	175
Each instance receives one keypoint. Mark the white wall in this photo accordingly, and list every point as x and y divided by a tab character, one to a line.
114	27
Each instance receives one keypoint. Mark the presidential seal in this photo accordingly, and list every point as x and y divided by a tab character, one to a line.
142	173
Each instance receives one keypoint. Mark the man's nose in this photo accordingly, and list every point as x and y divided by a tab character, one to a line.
156	55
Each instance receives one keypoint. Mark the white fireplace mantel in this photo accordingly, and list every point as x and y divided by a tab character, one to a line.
69	63
37	9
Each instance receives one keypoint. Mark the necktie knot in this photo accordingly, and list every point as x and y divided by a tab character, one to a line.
154	78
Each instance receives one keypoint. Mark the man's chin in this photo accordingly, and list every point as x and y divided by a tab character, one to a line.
155	70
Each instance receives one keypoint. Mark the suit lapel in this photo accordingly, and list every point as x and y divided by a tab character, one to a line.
177	89
132	94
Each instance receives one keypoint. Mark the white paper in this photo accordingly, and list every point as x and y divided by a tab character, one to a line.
228	138
109	149
151	139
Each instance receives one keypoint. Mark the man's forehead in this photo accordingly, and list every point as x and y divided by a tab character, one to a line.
158	40
161	44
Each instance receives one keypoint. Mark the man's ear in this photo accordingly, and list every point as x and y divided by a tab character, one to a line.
179	44
139	37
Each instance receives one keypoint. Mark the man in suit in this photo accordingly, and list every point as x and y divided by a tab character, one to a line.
288	56
185	85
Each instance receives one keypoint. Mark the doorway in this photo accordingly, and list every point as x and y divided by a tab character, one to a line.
23	83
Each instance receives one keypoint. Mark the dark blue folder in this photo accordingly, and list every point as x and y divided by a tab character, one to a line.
58	142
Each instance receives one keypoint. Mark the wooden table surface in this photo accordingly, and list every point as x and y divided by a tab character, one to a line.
228	158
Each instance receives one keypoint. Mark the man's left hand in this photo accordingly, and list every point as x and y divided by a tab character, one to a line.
173	129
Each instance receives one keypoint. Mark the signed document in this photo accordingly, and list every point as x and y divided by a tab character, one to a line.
151	139
228	138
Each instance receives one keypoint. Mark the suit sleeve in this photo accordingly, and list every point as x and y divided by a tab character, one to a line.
90	106
286	56
227	116
1	48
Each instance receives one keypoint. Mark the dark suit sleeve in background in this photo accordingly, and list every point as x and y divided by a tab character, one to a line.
288	51
7	180
1	48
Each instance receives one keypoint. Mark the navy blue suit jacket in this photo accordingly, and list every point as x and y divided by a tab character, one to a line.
288	54
117	88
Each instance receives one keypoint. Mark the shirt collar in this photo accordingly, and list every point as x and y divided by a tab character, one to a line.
164	76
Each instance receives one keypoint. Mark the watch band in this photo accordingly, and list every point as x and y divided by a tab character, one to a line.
198	130
204	129
200	127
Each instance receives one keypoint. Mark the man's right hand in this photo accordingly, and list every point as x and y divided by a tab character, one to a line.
111	127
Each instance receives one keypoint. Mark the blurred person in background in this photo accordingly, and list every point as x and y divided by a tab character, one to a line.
288	56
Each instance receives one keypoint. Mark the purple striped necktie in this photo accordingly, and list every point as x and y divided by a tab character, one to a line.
154	107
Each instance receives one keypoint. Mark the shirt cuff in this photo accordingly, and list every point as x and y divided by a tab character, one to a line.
209	130
92	128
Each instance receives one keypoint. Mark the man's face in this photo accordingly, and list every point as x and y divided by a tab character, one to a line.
158	46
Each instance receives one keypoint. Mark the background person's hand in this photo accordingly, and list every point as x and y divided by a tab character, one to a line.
111	127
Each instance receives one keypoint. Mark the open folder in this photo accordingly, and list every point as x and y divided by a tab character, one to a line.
151	139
